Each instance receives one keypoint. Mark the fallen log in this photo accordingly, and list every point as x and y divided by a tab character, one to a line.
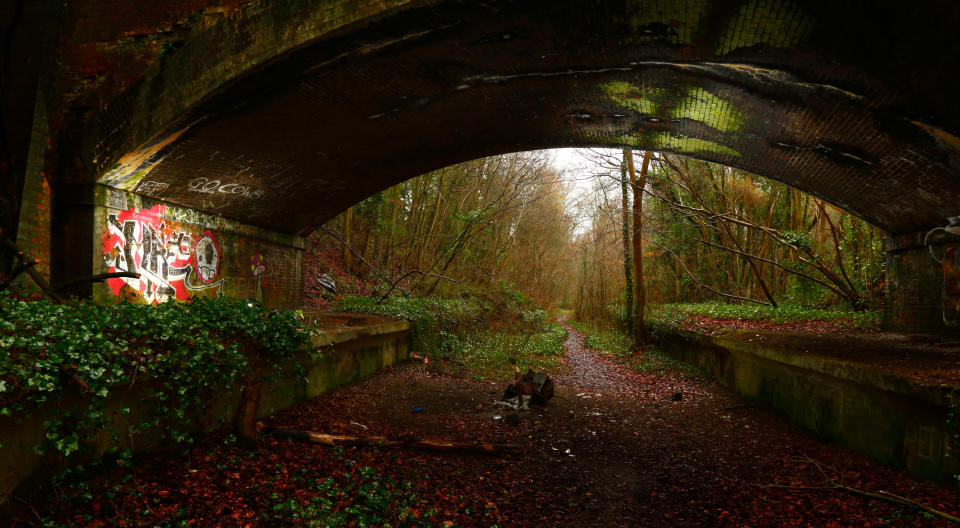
312	437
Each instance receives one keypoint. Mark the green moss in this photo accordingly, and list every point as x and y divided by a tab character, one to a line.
674	143
692	145
776	23
641	99
701	105
676	20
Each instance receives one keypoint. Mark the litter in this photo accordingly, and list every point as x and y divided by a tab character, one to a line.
531	389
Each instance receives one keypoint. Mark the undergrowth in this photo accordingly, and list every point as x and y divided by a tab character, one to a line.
63	362
473	336
670	315
618	344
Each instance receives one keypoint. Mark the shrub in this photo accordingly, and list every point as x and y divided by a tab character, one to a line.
183	352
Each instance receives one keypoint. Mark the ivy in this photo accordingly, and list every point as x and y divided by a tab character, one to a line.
64	362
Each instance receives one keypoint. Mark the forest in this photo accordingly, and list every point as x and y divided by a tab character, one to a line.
507	268
636	233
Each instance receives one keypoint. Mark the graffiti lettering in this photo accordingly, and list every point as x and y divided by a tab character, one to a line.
116	199
140	241
208	186
151	188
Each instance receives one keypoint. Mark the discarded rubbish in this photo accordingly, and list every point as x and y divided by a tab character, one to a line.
360	425
517	402
328	283
531	389
417	356
418	409
497	417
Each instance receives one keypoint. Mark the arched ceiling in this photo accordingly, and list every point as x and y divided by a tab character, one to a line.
850	101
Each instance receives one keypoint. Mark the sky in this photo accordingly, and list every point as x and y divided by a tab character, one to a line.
580	170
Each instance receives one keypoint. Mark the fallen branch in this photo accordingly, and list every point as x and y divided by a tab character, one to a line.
357	254
33	273
413	272
97	278
312	437
879	495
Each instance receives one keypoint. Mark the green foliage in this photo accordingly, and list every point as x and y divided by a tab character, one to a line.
671	315
63	362
496	355
620	345
612	342
432	320
461	331
361	498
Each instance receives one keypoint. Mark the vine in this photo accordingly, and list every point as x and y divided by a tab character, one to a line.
63	362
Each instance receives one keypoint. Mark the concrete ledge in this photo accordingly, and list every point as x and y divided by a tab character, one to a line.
334	358
896	420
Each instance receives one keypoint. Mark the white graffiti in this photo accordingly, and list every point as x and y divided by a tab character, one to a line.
151	188
207	258
208	186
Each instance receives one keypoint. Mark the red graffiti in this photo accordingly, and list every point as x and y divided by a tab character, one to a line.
142	242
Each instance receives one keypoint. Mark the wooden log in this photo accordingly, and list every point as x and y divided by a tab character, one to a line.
382	441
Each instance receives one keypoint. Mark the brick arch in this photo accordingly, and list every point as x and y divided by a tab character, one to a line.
318	111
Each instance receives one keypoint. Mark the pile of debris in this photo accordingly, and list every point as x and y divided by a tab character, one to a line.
531	389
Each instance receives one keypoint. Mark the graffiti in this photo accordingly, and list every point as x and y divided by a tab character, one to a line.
151	188
116	199
208	186
206	258
141	241
258	265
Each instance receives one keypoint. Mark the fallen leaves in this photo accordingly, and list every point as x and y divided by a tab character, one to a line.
641	460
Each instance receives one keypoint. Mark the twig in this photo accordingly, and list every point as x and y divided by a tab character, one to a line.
18	268
34	274
879	495
413	272
340	239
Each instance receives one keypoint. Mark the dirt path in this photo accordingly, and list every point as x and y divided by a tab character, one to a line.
613	449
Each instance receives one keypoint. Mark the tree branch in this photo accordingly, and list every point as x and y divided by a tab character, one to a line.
97	278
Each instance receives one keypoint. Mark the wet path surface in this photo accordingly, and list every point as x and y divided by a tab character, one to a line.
588	369
612	449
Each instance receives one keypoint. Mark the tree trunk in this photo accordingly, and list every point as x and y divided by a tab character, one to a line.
347	255
627	260
637	183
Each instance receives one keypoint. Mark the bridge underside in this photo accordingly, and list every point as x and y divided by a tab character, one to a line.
278	115
770	87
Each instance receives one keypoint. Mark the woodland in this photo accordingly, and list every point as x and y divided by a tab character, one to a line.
502	265
634	233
